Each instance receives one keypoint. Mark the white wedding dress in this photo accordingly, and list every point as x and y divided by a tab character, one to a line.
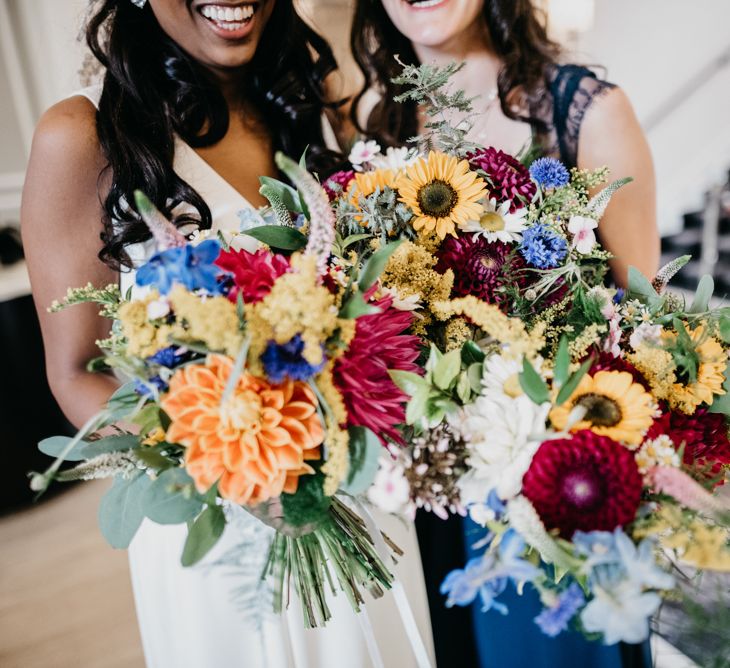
218	614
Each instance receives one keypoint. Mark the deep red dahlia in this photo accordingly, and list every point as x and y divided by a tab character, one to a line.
587	483
479	266
336	184
509	179
705	438
372	399
253	273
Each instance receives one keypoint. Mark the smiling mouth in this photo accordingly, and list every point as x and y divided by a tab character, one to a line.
229	17
424	4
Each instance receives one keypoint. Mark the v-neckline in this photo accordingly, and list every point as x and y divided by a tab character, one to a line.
214	173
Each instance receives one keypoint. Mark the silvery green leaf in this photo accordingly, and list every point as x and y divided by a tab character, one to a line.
120	512
447	369
375	265
407	381
641	288
203	534
279	237
365	451
171	498
562	362
417	404
356	306
475	373
572	383
463	387
703	295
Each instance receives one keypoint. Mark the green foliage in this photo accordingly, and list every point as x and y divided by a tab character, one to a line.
427	86
641	288
279	237
171	498
684	353
471	353
120	511
722	401
532	384
203	534
356	306
55	445
375	265
703	295
380	213
562	363
309	505
572	383
365	451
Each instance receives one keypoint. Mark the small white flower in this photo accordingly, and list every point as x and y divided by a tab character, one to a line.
501	377
497	223
410	303
395	158
363	152
659	451
645	333
158	309
390	491
584	238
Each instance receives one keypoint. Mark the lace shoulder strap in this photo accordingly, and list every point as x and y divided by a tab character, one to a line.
573	89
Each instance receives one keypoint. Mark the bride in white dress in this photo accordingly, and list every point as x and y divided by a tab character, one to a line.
218	613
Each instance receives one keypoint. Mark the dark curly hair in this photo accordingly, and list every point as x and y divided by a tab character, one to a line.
517	35
153	90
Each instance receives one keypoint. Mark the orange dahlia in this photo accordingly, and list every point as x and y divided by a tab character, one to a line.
255	444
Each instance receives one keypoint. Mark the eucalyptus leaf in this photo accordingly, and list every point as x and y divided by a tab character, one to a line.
365	451
120	512
54	446
375	265
471	353
447	369
532	384
640	287
122	403
572	383
417	405
407	381
562	362
353	239
148	418
171	498
356	306
203	534
153	458
278	237
701	302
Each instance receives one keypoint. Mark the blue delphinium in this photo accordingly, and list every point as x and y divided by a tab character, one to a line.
147	389
549	173
487	576
191	266
542	247
554	620
282	361
170	357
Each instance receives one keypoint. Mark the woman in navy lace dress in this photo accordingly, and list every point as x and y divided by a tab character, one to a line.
524	96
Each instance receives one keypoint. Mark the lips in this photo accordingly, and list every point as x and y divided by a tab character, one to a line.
425	4
231	21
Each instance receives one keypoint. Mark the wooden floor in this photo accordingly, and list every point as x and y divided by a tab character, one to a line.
65	595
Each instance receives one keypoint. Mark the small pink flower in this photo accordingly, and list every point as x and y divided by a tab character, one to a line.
584	238
363	153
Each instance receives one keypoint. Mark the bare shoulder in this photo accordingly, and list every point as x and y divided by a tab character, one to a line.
68	129
612	111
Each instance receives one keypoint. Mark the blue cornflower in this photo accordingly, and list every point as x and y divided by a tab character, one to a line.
169	357
191	266
554	620
549	173
145	389
619	296
282	361
542	247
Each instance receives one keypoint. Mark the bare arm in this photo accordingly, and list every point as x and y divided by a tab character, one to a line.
61	223
611	136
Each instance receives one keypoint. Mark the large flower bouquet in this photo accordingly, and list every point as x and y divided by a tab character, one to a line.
583	427
257	379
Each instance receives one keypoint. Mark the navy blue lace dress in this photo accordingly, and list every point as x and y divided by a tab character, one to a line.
468	637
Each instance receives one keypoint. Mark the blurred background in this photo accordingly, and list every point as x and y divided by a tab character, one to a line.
64	596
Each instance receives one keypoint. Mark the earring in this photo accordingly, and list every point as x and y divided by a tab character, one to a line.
139	3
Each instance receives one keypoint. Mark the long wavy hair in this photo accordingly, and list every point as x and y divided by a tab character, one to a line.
517	34
153	90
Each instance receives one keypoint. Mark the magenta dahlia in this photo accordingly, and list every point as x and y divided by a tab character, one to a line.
372	399
481	268
508	179
587	483
253	273
338	183
705	439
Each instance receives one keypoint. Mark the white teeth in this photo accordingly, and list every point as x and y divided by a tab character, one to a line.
228	17
426	3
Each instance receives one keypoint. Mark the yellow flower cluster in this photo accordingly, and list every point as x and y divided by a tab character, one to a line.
144	336
337	440
297	304
580	345
457	333
211	320
698	543
410	270
657	366
496	324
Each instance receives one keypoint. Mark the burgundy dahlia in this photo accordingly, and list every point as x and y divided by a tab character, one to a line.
587	483
254	274
480	267
705	439
371	397
607	362
336	184
508	178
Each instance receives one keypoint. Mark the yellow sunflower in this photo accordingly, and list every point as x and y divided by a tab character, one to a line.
615	405
712	361
366	183
442	192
